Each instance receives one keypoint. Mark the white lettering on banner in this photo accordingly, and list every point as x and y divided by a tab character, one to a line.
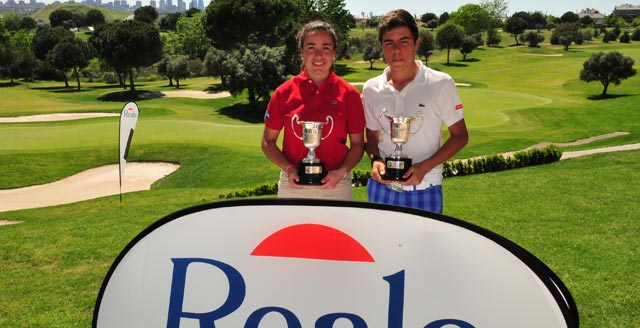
288	263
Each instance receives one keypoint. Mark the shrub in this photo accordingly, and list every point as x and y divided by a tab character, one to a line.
496	163
486	164
625	38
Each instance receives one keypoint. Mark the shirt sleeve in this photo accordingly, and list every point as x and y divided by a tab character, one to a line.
373	121
273	117
452	109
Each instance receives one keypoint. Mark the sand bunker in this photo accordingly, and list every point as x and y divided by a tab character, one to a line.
196	94
97	182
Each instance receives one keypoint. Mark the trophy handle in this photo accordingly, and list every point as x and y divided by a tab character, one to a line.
383	113
293	128
418	114
329	118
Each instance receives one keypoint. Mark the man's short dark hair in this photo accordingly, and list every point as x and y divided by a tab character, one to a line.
397	18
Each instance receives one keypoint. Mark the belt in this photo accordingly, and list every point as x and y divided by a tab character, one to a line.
398	187
421	186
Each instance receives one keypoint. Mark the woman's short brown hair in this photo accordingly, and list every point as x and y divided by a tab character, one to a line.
317	26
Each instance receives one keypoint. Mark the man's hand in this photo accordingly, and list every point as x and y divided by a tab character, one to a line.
377	171
416	172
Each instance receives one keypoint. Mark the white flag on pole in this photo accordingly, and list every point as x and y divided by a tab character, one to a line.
128	120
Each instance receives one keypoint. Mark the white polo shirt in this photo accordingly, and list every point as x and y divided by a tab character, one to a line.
431	93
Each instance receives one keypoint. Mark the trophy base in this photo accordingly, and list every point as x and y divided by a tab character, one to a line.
396	168
311	174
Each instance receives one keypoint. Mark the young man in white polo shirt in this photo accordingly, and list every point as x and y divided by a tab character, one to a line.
408	88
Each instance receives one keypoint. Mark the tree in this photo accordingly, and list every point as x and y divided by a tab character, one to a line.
45	39
127	45
467	46
59	16
70	54
473	18
177	67
497	9
449	36
569	17
191	39
444	17
526	17
432	24
538	20
426	18
532	38
94	17
161	68
214	63
146	14
586	20
427	45
11	20
625	37
515	26
16	57
607	68
565	34
493	37
168	22
28	24
257	70
264	22
371	49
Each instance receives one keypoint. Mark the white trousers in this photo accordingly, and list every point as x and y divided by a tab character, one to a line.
342	191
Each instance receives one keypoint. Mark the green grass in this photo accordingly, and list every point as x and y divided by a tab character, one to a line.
579	216
109	15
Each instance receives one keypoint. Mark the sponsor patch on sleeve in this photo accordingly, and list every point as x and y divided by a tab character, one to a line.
459	106
266	115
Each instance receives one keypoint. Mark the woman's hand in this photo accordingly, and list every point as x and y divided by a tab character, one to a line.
333	178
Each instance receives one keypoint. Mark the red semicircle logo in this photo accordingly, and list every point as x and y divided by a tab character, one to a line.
313	241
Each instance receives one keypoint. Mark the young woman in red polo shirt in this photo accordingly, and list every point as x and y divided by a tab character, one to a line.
314	94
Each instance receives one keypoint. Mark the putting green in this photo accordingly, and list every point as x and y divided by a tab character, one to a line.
78	135
485	108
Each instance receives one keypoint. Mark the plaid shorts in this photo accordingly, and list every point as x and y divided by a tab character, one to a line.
429	199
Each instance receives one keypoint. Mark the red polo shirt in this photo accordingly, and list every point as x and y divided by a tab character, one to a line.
334	97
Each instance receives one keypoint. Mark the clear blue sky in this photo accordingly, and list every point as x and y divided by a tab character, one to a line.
419	7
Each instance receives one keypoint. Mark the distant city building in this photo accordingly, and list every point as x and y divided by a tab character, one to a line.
162	6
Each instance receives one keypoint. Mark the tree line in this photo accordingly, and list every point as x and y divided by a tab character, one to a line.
248	45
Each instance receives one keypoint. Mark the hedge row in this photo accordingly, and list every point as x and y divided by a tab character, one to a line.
492	163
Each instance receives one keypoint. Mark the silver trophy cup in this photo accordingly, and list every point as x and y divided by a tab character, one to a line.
311	169
399	130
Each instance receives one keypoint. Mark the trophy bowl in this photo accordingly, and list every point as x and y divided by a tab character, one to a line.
398	163
311	169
